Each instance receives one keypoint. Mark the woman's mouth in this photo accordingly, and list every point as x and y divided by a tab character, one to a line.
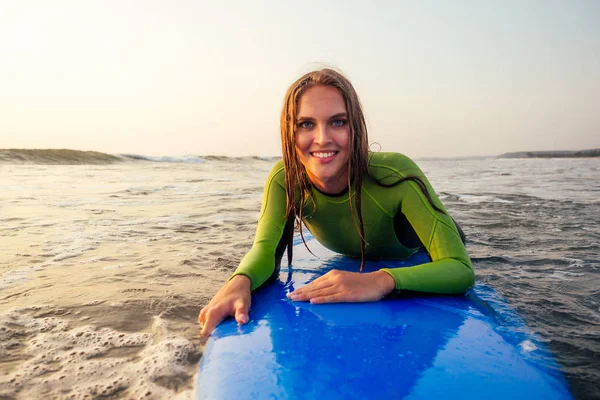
324	156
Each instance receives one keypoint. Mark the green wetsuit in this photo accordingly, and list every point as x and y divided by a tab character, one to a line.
330	221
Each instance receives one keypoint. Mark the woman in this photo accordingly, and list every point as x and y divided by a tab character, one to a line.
358	203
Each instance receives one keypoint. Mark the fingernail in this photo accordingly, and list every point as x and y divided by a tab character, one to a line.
243	318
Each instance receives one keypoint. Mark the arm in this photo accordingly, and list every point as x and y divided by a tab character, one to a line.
234	298
450	269
269	242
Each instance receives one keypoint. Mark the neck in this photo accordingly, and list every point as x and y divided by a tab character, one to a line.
334	185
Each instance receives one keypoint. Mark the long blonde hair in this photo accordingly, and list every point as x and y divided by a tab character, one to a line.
296	177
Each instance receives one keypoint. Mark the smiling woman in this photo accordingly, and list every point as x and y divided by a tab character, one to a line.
323	138
326	172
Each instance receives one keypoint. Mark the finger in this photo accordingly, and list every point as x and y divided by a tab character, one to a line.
213	318
332	298
311	287
241	312
324	291
202	315
345	296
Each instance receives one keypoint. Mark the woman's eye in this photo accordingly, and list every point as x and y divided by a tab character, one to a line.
338	123
306	125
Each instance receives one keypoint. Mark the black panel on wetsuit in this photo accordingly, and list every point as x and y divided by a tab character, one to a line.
407	236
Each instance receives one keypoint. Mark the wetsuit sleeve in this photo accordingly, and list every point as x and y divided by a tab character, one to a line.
260	262
450	269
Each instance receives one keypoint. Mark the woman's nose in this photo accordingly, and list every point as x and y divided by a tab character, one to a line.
322	134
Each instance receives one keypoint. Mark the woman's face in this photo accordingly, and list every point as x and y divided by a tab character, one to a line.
323	138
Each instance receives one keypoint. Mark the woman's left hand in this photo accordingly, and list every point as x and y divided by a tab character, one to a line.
346	287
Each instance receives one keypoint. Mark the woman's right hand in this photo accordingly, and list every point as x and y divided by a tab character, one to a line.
232	300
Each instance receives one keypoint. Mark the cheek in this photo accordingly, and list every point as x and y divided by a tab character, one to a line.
300	152
302	144
344	140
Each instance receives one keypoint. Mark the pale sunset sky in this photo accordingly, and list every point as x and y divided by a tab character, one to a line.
436	78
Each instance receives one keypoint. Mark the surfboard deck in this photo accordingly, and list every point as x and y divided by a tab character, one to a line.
410	347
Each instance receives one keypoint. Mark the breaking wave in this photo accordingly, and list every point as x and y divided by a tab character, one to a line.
55	156
74	157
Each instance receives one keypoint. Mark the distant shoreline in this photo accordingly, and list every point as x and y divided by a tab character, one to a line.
553	154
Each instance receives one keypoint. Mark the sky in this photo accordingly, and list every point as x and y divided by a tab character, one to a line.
436	78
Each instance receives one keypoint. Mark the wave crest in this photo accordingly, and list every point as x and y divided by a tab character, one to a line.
168	159
55	156
73	157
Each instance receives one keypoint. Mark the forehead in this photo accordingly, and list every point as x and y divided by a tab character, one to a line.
321	101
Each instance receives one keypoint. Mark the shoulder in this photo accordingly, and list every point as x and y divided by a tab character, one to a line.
277	167
277	173
382	165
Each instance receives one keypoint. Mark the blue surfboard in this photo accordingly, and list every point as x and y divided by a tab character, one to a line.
410	347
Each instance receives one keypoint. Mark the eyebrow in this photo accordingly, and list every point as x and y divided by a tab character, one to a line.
334	116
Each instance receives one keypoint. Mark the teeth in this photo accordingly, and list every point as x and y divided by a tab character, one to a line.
324	155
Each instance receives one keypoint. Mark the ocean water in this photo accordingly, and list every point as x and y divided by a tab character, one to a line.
104	268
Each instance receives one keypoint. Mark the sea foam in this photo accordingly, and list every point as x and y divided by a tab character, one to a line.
85	362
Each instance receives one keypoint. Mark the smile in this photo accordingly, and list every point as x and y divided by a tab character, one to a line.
324	154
